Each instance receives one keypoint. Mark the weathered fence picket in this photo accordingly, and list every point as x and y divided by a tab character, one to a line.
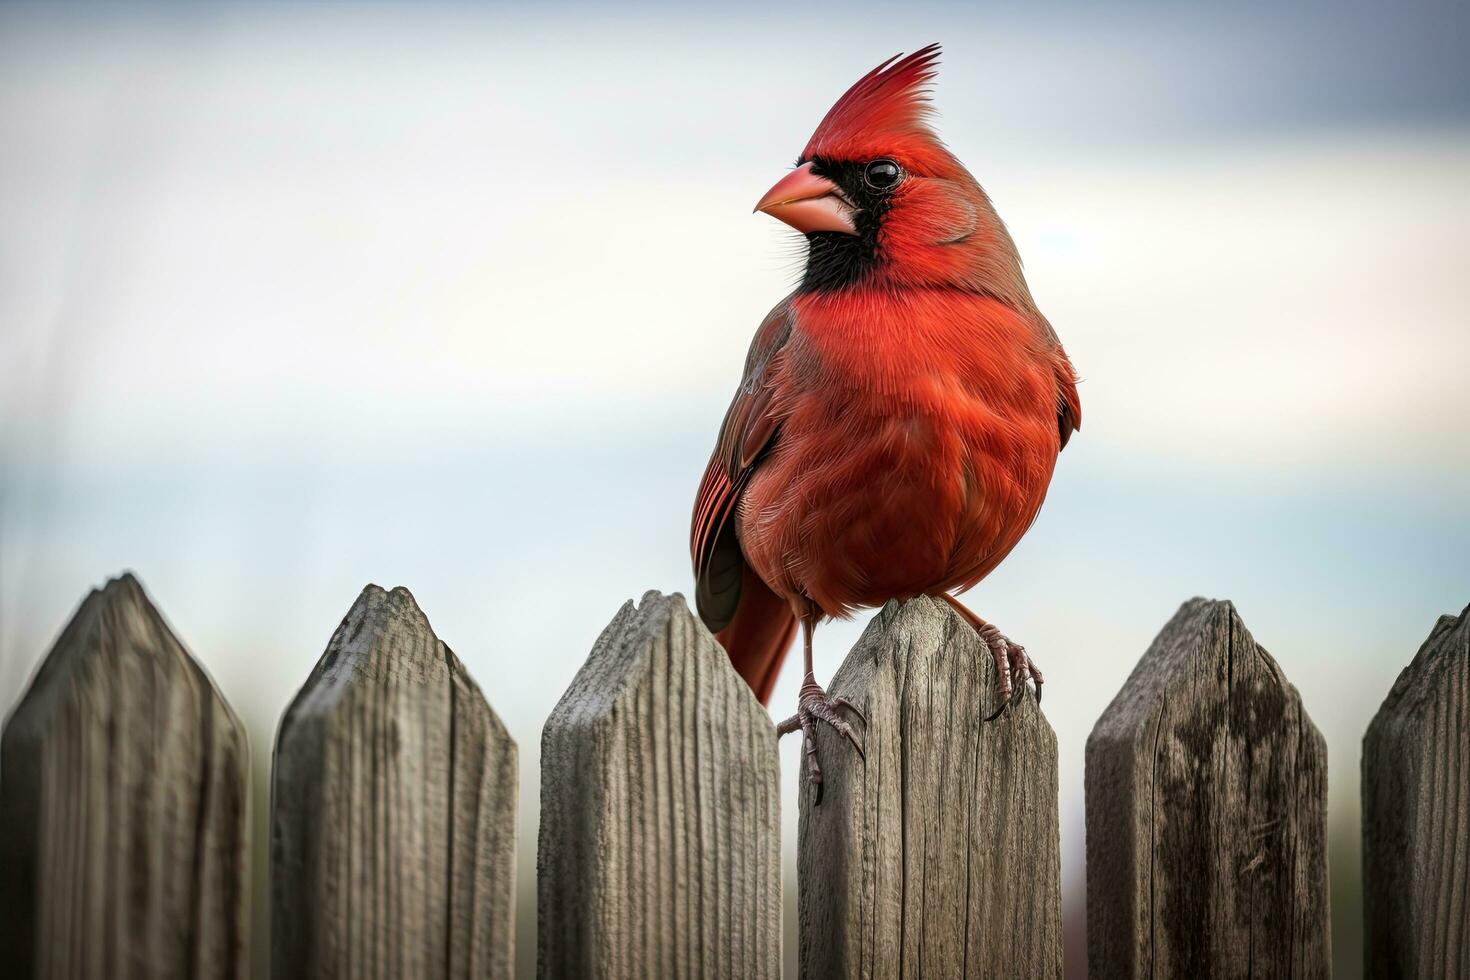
122	807
936	852
1416	815
659	848
393	810
1206	813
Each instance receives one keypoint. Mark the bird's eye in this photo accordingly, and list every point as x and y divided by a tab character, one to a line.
882	175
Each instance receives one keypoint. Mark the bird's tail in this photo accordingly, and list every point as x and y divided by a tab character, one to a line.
760	634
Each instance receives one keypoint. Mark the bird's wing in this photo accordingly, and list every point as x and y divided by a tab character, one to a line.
1069	404
749	430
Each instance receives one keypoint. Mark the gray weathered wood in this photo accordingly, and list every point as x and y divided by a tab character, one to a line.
1206	813
938	854
122	807
1416	815
393	810
660	811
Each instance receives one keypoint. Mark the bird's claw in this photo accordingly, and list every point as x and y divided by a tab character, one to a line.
1012	668
1007	703
812	706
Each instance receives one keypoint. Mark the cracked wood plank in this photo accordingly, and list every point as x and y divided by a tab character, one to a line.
1207	813
1416	815
659	850
393	810
936	855
123	817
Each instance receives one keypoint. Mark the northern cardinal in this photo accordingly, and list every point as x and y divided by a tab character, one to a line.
900	413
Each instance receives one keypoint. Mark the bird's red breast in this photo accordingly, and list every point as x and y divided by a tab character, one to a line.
918	432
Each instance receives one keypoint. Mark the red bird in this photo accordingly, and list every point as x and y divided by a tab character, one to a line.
901	412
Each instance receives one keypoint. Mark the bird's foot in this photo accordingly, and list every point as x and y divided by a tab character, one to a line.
1013	668
814	705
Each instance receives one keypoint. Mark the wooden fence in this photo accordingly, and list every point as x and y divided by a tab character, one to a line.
123	812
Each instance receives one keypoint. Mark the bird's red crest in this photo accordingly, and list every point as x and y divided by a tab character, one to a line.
889	103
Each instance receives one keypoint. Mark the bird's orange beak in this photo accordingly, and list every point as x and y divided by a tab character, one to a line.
808	203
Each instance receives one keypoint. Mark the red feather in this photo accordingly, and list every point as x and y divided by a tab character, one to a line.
890	101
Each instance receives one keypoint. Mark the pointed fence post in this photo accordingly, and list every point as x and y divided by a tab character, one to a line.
1416	815
393	810
937	852
122	807
1207	813
659	852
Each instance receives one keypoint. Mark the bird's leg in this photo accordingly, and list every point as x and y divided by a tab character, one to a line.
1012	666
813	705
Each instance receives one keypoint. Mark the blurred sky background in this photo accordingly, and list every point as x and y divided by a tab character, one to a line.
293	299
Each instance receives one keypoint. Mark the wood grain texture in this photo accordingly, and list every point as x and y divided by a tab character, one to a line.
660	811
122	807
393	810
1416	815
938	855
1206	813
